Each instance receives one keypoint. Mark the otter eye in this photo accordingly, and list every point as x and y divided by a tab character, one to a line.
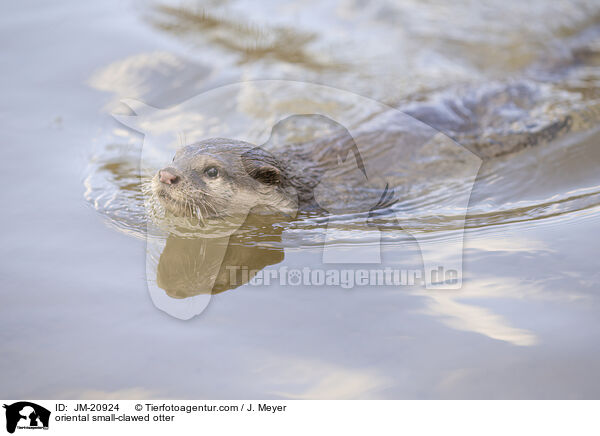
211	172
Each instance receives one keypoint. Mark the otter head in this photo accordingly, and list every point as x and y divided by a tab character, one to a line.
223	179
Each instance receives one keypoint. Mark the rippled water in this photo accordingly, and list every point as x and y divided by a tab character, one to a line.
516	84
541	93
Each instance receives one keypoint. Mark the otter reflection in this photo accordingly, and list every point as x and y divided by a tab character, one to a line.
192	266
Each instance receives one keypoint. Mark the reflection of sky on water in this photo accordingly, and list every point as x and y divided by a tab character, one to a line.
505	334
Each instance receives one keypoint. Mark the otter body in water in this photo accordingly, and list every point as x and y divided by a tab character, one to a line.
227	178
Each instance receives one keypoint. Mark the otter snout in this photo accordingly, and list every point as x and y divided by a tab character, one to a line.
168	176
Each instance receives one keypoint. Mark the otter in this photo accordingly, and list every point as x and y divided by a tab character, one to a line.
222	178
226	179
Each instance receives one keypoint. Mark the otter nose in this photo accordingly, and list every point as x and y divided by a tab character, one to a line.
166	176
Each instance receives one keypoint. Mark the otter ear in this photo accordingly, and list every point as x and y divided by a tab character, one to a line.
267	174
262	166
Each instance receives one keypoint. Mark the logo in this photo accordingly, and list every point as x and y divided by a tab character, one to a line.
26	415
384	182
